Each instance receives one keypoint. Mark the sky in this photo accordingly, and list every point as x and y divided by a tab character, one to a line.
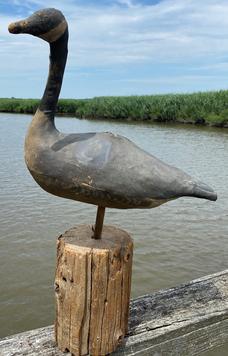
120	47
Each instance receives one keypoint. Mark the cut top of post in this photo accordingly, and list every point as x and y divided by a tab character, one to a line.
80	235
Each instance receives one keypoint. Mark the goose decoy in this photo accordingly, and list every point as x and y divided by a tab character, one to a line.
103	169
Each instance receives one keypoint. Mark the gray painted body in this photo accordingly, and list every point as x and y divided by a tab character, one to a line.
97	168
103	169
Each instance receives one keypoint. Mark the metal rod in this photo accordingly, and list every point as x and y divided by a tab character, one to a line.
99	223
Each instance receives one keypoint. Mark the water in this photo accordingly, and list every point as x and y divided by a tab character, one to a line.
174	243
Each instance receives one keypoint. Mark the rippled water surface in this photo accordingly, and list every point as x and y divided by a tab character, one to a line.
174	243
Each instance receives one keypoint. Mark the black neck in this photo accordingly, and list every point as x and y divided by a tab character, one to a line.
58	57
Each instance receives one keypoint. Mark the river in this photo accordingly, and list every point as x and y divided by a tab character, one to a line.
174	243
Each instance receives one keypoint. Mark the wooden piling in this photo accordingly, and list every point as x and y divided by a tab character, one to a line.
189	319
92	284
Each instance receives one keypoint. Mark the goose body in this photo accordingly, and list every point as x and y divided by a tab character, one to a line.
104	169
98	168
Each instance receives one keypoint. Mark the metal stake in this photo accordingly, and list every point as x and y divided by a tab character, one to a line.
99	222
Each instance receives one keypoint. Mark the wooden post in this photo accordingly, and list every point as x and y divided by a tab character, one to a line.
92	284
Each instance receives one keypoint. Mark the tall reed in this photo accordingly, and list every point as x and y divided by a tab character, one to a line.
208	108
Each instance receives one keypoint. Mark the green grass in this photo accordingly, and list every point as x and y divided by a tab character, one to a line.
209	108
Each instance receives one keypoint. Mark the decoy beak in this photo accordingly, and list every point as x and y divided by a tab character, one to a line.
15	27
23	26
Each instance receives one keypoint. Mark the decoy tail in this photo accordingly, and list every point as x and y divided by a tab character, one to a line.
202	190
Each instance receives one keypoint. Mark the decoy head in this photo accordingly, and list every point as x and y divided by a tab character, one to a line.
48	24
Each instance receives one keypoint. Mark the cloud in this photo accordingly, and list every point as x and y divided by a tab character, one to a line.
171	32
128	3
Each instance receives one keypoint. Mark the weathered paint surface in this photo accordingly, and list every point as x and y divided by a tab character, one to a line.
97	168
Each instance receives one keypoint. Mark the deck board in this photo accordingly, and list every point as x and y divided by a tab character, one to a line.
186	320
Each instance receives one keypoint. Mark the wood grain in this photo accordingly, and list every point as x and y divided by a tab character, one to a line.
189	319
92	290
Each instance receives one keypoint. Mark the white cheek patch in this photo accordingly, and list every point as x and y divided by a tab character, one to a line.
55	33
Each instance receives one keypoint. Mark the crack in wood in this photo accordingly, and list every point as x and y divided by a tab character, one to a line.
204	328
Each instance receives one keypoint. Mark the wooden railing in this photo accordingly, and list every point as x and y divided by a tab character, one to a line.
186	320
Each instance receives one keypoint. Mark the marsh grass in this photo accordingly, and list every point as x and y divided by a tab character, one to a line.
206	108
